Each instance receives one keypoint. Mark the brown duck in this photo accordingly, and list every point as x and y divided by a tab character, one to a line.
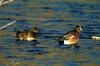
28	35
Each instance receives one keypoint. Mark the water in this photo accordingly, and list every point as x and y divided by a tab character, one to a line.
55	17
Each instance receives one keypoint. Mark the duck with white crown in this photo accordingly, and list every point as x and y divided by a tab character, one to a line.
71	37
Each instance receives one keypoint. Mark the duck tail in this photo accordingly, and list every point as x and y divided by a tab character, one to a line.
61	38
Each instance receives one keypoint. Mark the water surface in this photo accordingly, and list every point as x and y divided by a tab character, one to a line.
55	17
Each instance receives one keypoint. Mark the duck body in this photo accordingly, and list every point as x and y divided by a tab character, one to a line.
27	35
71	37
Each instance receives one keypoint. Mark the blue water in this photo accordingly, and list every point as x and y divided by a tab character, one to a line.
54	17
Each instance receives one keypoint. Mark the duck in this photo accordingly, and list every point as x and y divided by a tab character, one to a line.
70	37
95	37
27	35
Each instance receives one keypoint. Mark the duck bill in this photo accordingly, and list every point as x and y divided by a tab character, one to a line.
81	28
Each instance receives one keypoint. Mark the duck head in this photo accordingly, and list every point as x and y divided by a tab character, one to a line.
35	30
78	28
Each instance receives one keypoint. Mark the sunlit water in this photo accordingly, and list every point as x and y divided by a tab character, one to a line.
54	17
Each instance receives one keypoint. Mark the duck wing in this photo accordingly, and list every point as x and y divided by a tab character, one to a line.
66	36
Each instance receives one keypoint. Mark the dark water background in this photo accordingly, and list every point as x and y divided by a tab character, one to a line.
55	17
